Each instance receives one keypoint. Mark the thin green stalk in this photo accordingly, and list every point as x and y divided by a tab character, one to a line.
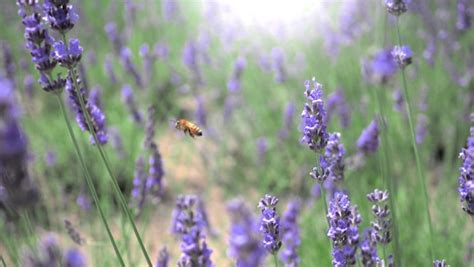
89	180
275	259
323	196
387	173
415	149
107	165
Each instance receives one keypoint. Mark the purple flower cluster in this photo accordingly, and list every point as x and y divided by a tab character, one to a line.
380	68
163	258
278	64
396	7
337	103
154	182
465	11
368	248
381	225
334	158
68	56
291	234
368	141
129	100
191	60
343	229
313	118
96	115
402	55
270	224
139	183
466	179
188	225
440	263
288	117
244	242
421	124
234	82
127	63
60	15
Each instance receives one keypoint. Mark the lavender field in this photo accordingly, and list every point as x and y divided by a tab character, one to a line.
237	133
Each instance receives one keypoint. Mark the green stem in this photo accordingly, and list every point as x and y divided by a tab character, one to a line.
415	149
275	259
89	182
323	196
107	164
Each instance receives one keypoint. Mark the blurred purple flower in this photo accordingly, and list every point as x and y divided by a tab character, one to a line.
368	248
148	62
95	96
234	82
170	9
50	158
200	112
396	7
84	202
109	69
399	100
466	178
380	67
343	229
337	103
440	263
313	118
8	63
47	253
129	100
114	36
288	117
368	141
402	55
465	10
262	148
270	224
139	183
191	60
291	234
154	181
163	258
74	258
421	124
116	142
150	126
127	63
278	64
244	241
161	51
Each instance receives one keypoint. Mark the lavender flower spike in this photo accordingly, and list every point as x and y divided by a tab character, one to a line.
313	118
61	15
402	55
381	212
154	181
163	258
270	224
396	7
440	263
343	229
129	100
244	242
291	234
466	179
368	141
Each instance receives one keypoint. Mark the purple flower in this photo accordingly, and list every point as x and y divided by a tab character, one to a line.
368	248
337	103
278	64
288	117
109	69
313	118
129	100
74	258
200	111
380	68
68	56
334	157
368	141
161	51
170	9
466	178
270	224
139	183
96	115
291	234
396	7
402	55
421	124
83	201
148	62
127	63
60	15
465	11
343	229
154	181
398	99
189	225
47	253
382	223
150	126
244	241
262	147
190	59
163	258
440	263
114	36
234	82
50	158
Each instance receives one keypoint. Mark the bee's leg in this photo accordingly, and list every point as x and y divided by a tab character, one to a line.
191	134
186	131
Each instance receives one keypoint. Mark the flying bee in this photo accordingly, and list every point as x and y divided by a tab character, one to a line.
188	127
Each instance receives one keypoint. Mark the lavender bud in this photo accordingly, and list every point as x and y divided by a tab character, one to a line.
466	178
440	263
73	233
270	224
396	7
291	234
368	141
68	56
129	100
402	55
154	182
60	15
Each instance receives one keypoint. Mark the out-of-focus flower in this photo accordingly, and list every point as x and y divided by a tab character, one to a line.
127	63
368	141
291	234
465	10
396	7
154	181
245	244
191	60
399	100
47	253
83	201
288	117
234	82
402	55
466	179
270	224
150	126
74	258
163	258
278	64
368	248
170	9
139	183
262	148
201	112
379	68
313	118
161	51
73	233
129	100
114	36
337	103
109	69
343	229
421	124
440	263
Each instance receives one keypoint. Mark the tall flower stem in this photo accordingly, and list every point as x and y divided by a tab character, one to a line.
275	259
323	196
415	149
386	171
89	180
107	164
